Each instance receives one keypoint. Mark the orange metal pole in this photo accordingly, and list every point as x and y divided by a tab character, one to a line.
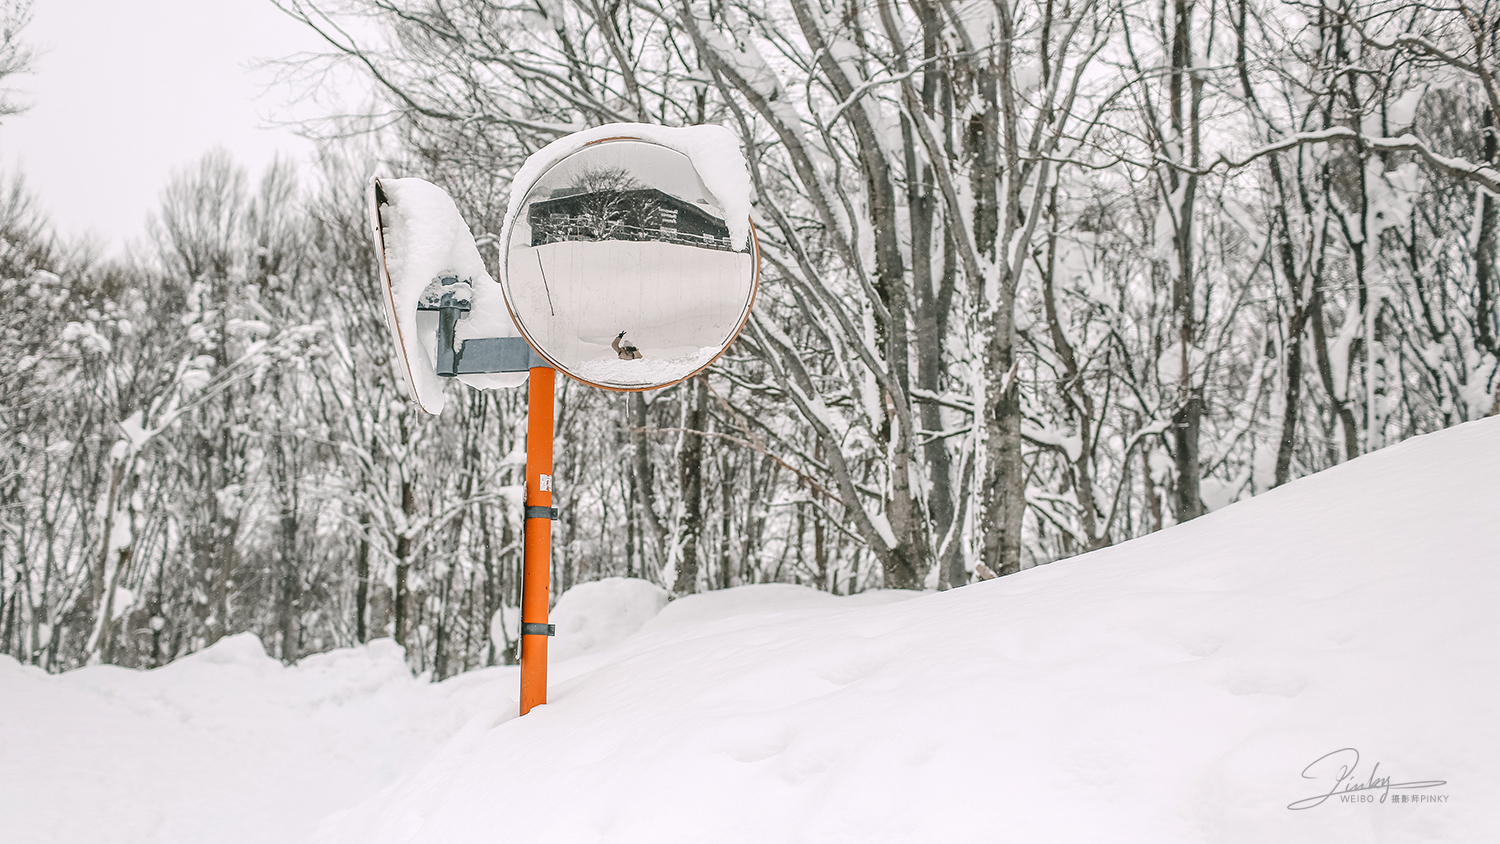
535	586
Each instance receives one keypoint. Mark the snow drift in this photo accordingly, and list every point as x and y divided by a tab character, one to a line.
224	746
596	616
1179	688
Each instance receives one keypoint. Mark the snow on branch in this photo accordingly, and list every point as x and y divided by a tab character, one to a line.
871	84
1481	174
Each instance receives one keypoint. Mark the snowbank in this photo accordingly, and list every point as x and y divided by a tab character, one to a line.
1178	688
598	615
226	745
765	604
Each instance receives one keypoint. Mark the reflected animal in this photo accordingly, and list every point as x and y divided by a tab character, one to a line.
626	350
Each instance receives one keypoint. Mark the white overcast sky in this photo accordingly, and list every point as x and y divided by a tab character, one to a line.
124	92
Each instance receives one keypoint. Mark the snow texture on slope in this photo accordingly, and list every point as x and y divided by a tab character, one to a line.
226	745
598	615
1172	689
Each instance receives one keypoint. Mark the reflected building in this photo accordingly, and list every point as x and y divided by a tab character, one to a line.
641	214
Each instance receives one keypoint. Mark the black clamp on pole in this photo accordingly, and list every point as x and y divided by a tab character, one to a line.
534	512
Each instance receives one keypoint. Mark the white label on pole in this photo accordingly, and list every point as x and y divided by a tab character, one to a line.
545	483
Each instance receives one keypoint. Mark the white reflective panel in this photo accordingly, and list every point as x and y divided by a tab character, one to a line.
622	236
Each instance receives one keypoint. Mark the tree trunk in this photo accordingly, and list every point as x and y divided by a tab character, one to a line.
1002	500
645	481
1186	425
404	538
1001	477
1338	405
1187	421
362	579
1292	396
290	601
690	474
1485	251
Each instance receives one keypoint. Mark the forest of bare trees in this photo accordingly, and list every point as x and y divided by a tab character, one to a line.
1039	277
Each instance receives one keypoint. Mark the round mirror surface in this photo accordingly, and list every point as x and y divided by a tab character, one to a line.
619	267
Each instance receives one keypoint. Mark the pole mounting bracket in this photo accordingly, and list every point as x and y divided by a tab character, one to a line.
452	297
535	512
532	628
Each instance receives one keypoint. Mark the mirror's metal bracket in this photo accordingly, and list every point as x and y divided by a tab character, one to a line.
451	297
496	354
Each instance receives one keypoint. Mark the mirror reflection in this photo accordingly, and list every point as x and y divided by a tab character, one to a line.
620	267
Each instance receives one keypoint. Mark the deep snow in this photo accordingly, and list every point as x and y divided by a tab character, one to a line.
1172	689
224	746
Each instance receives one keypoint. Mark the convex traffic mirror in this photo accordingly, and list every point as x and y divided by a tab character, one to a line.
627	260
623	269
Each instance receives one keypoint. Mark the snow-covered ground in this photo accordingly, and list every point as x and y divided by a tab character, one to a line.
222	746
1179	688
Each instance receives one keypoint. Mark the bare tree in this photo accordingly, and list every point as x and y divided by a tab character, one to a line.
16	57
